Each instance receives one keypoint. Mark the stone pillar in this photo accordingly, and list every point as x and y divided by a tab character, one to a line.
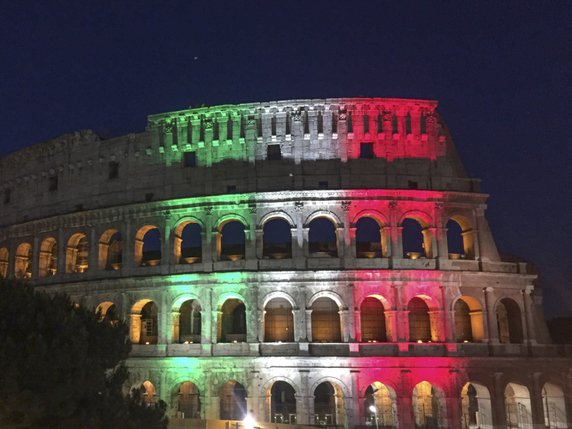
345	331
175	331
397	242
135	328
304	400
261	325
250	244
391	325
357	332
405	400
214	245
93	246
259	242
352	406
442	247
402	316
430	242
61	262
206	327
297	243
216	327
300	333
498	401
36	254
453	401
163	320
536	401
528	307
306	245
489	317
309	324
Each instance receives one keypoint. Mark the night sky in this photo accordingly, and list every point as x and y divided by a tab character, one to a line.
501	72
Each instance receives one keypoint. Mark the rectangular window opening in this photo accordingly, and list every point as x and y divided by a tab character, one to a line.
366	123
320	123
53	183
190	159
323	184
273	152
231	189
7	196
113	172
379	124
148	197
229	125
412	184
273	125
366	151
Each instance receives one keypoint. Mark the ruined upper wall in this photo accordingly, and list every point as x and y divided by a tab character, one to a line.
277	146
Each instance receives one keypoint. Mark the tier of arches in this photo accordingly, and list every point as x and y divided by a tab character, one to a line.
382	405
370	237
325	318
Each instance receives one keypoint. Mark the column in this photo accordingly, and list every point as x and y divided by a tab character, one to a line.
304	400
309	325
489	317
175	332
404	396
36	254
259	243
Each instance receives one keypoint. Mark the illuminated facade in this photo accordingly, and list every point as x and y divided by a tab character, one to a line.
309	261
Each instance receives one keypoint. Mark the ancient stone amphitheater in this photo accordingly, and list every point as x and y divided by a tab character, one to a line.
310	262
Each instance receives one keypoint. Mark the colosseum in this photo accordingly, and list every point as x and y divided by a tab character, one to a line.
305	262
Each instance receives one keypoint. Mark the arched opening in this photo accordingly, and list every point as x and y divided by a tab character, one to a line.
460	241
232	322
188	243
509	321
232	401
328	405
144	329
77	253
23	261
372	320
148	246
4	261
187	323
468	320
48	263
110	250
368	239
476	411
232	241
518	408
554	406
278	321
326	321
282	403
187	401
277	239
416	239
322	238
380	406
148	394
427	411
107	312
419	320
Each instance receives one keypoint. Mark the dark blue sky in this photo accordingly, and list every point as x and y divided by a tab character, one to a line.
502	74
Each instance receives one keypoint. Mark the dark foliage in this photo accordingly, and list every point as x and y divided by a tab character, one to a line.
62	367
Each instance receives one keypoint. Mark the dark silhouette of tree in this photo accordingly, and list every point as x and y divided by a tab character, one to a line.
61	366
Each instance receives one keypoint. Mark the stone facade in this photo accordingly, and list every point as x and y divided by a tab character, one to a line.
300	260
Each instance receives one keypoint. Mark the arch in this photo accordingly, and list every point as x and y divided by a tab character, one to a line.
23	261
376	215
77	253
230	217
416	239
460	240
147	250
322	238
332	217
282	399
468	320
476	407
373	328
419	321
231	240
187	401
420	216
277	239
326	326
148	394
144	318
554	406
509	321
48	262
428	406
518	406
232	397
370	241
231	326
328	294
279	214
107	311
110	250
278	294
188	242
4	261
380	406
278	321
329	407
187	322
